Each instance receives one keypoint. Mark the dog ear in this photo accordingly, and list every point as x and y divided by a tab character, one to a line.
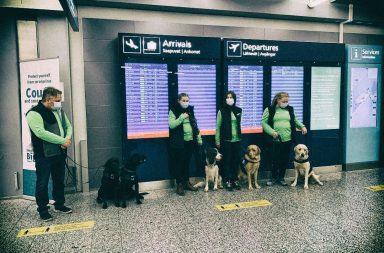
258	150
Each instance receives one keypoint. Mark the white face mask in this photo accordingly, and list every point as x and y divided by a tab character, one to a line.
56	106
283	105
230	101
184	105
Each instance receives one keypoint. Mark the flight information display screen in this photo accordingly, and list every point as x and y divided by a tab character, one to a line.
146	93
199	82
290	79
247	83
325	98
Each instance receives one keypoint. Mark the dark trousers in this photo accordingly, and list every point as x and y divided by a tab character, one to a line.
231	160
280	159
181	160
45	167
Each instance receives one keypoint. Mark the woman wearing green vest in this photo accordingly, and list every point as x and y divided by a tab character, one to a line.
279	121
228	139
183	135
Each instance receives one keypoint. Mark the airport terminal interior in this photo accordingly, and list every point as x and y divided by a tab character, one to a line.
120	65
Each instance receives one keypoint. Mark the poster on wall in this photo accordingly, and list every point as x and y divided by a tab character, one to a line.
363	100
325	98
35	75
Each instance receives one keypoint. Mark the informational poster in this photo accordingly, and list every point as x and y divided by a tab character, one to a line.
363	103
247	83
199	82
35	75
325	98
146	100
290	79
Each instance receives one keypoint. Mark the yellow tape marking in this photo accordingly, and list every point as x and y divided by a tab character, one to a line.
56	228
376	188
240	205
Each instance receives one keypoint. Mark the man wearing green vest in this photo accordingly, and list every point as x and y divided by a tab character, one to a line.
51	134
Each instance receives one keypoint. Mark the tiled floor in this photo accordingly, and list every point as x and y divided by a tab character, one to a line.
341	216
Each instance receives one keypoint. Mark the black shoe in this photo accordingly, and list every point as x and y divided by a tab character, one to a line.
62	209
236	185
180	189
228	185
271	182
283	183
46	216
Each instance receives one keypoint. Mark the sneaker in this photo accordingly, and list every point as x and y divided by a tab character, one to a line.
236	185
62	209
270	182
228	185
283	183
46	216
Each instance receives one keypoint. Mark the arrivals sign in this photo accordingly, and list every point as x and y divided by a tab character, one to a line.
282	50
153	46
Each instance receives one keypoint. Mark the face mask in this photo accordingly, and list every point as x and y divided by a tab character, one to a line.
283	105
184	105
230	101
56	106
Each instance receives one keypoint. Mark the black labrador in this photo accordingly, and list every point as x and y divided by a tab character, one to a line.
109	189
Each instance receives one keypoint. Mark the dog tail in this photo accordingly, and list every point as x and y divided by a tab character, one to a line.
199	184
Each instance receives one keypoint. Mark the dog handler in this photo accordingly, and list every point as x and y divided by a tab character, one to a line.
51	134
183	134
228	138
279	121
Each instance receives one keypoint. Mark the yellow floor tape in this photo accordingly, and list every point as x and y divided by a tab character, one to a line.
56	228
240	205
376	188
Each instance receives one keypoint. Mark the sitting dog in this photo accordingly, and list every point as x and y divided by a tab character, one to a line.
303	166
251	165
211	170
129	183
109	189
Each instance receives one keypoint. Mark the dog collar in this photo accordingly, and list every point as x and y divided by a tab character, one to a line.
304	161
250	160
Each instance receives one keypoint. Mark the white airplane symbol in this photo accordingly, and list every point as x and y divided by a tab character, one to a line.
234	46
131	44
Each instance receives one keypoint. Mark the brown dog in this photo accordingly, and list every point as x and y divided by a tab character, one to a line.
251	166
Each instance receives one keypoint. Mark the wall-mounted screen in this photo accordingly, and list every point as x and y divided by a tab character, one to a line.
363	104
199	82
146	93
290	79
247	82
325	98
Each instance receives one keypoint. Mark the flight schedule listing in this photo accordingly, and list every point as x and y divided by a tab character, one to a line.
146	92
247	82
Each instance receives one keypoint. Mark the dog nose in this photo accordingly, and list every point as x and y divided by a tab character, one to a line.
302	155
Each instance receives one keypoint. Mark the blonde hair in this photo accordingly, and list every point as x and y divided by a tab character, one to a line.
279	95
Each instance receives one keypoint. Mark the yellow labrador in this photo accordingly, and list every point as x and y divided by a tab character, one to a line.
303	166
251	166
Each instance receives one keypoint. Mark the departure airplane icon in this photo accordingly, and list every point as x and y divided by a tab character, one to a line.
234	47
131	44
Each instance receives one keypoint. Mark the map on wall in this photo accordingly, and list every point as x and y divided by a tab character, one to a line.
363	107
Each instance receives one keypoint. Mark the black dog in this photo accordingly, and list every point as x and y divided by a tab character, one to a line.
129	180
109	189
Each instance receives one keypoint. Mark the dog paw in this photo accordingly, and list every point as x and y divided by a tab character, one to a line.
215	188
206	189
293	184
117	204
320	183
250	188
105	206
99	200
305	186
124	206
138	201
258	186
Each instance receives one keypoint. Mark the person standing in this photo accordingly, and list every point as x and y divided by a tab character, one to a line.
228	140
279	122
51	134
184	135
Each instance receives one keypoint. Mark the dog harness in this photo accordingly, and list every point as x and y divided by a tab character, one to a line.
304	161
246	160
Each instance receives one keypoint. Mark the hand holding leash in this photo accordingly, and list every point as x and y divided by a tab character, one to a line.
304	130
